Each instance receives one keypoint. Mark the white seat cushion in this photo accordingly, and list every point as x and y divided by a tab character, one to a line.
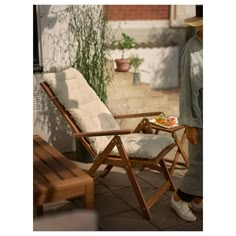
139	145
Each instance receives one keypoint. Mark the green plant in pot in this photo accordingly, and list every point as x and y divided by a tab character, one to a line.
126	42
135	62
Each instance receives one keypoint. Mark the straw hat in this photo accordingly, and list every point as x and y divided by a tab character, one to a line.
196	20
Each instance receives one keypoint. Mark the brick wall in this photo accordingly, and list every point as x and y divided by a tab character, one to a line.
137	12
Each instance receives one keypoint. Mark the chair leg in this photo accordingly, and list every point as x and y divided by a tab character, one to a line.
101	158
138	193
157	195
167	174
106	171
180	150
133	180
165	186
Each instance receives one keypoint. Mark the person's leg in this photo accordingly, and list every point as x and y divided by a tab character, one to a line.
191	186
192	183
197	200
184	196
197	204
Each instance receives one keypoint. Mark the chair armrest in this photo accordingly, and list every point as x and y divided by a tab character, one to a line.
103	133
135	115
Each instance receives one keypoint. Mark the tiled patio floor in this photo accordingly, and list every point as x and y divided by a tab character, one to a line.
117	209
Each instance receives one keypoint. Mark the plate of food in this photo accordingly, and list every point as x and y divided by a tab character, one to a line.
167	122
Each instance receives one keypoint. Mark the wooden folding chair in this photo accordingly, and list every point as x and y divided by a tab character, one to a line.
98	131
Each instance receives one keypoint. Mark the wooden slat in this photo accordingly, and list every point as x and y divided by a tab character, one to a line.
60	194
40	178
169	130
156	196
136	115
39	181
52	162
45	170
67	184
103	133
71	167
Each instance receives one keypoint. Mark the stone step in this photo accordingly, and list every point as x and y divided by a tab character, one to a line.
121	79
137	104
141	90
122	87
124	98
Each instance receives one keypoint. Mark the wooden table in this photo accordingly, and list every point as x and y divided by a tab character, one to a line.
56	178
179	143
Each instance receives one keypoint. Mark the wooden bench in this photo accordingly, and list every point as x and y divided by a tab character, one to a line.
56	178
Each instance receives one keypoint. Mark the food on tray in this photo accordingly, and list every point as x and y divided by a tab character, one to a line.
171	121
161	119
168	121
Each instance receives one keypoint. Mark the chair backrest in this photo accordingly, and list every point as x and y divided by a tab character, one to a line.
83	104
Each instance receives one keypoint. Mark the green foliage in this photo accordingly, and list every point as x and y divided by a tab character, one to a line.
126	42
90	30
135	62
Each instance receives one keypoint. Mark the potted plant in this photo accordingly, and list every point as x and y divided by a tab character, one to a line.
135	62
126	42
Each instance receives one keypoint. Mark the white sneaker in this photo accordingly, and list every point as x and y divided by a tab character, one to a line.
196	206
182	210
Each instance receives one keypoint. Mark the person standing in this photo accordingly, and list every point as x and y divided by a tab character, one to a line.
189	195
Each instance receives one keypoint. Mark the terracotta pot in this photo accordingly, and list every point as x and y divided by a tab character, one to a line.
122	65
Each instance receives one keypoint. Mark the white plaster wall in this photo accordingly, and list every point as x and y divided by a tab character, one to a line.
155	31
55	38
161	64
160	67
48	122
